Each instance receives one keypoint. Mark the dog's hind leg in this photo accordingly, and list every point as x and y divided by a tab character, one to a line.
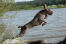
22	31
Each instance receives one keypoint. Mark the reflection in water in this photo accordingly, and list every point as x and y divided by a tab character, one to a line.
53	31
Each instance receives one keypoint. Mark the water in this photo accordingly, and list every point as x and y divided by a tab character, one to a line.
53	31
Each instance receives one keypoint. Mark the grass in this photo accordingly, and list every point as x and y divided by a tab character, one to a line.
1	42
1	15
54	6
2	28
61	6
12	16
29	7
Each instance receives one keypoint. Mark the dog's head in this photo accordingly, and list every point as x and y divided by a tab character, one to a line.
48	11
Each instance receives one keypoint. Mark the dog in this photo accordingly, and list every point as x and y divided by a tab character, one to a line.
38	19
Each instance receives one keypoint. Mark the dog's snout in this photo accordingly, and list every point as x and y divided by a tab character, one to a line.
50	12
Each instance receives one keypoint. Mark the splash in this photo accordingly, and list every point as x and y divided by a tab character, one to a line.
10	32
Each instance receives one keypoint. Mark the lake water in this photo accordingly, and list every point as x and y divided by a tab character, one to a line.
53	31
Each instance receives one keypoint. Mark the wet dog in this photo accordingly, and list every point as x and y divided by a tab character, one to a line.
38	19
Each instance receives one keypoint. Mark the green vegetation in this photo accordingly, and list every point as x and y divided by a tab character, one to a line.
29	7
10	5
7	5
2	28
1	42
61	6
1	15
37	4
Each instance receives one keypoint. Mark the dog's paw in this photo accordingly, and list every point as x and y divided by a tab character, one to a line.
44	23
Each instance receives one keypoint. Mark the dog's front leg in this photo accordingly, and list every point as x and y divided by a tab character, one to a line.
44	23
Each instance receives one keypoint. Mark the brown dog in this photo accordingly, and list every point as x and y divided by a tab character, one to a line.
37	20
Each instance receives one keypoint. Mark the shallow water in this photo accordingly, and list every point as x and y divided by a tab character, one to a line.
53	31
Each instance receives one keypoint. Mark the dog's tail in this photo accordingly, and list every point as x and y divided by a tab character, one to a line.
20	26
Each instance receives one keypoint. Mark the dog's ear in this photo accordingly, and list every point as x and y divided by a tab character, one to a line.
46	7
